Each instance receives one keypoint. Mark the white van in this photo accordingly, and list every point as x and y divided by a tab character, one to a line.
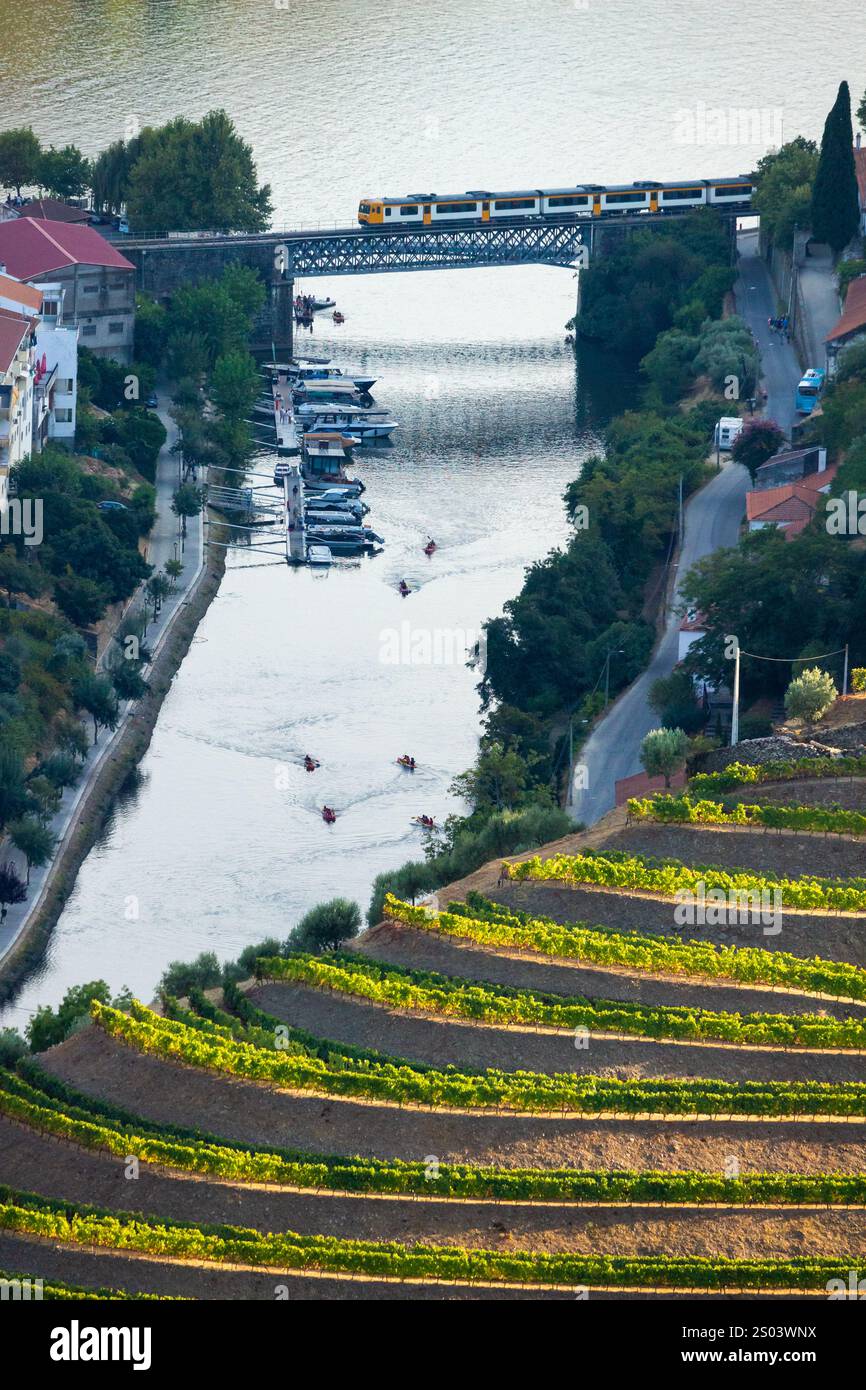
726	431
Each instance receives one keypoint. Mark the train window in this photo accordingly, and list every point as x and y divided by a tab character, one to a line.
365	207
456	207
625	197
514	203
567	200
409	210
387	212
740	190
671	195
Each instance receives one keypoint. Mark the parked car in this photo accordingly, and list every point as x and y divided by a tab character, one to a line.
152	401
112	506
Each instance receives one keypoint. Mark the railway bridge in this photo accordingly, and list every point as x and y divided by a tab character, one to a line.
167	260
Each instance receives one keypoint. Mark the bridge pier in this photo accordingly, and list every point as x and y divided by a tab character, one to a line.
283	312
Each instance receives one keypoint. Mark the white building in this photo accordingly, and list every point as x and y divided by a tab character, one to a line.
17	369
55	365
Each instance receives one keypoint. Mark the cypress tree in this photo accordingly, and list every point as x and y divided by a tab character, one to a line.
835	207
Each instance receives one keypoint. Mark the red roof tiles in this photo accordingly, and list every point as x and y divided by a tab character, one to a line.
13	329
854	313
31	246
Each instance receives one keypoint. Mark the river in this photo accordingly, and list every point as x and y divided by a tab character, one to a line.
220	842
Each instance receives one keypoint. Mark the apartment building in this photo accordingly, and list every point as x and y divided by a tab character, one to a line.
17	360
97	282
55	361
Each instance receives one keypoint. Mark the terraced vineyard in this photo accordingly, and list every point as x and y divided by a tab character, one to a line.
548	1085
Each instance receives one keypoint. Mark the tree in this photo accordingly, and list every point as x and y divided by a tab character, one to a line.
835	199
187	501
810	695
64	173
12	889
157	590
96	695
182	976
151	327
173	569
33	840
48	1026
19	159
14	799
326	926
861	111
758	441
662	751
189	175
234	384
128	681
82	601
18	577
783	196
497	781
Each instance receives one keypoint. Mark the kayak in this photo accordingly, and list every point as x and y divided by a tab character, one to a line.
425	825
428	549
407	762
328	816
311	764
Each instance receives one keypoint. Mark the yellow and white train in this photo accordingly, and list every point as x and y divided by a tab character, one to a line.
584	200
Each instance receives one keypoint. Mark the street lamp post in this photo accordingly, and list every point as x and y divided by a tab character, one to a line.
612	651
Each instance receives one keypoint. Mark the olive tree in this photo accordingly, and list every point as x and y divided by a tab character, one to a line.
663	751
810	695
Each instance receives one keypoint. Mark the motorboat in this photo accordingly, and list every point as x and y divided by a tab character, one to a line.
425	822
346	540
361	382
348	488
314	517
333	501
319	555
367	424
335	389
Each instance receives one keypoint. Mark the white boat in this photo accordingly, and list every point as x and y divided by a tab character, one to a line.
320	373
335	389
368	424
319	554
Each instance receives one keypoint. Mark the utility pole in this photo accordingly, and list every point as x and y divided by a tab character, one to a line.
735	712
845	673
680	524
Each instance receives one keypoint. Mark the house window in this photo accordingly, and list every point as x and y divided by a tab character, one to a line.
63	416
115	327
49	309
88	330
118	284
91	289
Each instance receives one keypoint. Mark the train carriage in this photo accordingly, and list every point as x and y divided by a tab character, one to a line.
583	200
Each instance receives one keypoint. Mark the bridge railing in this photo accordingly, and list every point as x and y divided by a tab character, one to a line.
313	229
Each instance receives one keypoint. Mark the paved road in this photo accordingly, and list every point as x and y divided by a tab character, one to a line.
820	302
161	547
712	521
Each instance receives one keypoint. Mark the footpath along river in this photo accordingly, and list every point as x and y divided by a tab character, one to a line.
220	842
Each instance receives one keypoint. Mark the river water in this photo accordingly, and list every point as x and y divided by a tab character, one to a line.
220	842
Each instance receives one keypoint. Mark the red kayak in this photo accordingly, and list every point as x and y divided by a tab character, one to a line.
328	816
429	547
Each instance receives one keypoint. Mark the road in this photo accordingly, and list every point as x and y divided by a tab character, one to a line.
712	521
163	544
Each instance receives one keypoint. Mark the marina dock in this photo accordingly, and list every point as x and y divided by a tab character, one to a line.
284	414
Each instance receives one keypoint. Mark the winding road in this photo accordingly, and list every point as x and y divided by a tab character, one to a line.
712	521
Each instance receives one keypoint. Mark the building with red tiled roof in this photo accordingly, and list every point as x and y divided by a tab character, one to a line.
851	327
53	208
860	167
790	506
97	283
